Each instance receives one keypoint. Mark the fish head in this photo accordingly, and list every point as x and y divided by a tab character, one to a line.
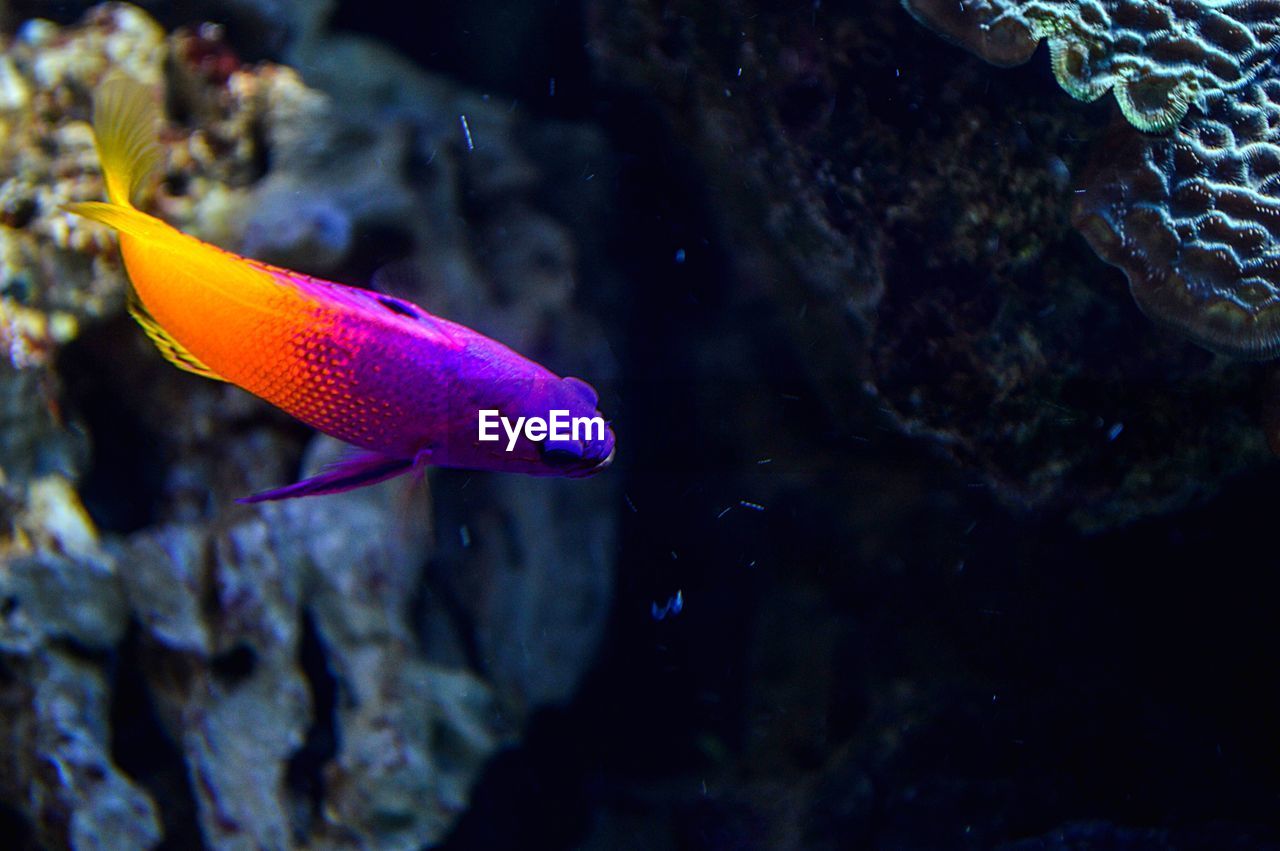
572	438
589	448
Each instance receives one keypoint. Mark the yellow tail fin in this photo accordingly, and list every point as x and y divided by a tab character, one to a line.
126	120
126	219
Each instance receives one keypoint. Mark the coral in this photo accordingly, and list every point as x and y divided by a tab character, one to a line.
904	214
1192	217
1157	57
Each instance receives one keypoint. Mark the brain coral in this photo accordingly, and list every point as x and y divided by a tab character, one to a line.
1158	56
1194	220
1192	216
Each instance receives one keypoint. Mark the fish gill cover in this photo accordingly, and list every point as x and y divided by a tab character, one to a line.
1189	207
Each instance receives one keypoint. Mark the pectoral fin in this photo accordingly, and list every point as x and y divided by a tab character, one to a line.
356	471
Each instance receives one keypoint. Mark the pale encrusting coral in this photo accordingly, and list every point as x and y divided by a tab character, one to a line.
1190	209
1193	218
286	676
1157	58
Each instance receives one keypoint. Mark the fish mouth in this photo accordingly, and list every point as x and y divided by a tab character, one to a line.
591	471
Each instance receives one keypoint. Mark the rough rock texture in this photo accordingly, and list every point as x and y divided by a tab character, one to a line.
293	674
60	591
1193	217
905	213
224	611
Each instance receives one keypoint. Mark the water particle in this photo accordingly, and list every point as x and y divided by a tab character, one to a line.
754	506
466	132
672	607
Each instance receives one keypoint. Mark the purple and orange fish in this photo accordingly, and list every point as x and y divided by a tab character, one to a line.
405	387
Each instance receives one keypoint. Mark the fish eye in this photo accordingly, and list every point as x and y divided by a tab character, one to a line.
396	305
560	453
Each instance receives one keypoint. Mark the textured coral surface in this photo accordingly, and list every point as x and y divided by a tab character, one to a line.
1157	57
1192	211
1193	217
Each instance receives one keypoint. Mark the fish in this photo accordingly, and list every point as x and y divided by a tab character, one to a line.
405	388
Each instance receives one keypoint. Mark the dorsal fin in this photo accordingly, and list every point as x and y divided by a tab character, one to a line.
173	351
366	300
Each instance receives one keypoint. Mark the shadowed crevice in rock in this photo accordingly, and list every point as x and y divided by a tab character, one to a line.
304	772
16	831
101	374
234	665
143	750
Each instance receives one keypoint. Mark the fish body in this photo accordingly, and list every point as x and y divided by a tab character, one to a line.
375	371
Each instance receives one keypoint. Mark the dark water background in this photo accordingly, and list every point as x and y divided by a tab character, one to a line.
1125	680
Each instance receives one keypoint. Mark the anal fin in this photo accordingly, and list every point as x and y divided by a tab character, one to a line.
173	351
355	471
